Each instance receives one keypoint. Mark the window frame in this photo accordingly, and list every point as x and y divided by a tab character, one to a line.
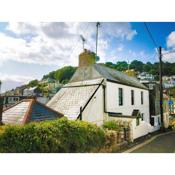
132	97
120	96
142	98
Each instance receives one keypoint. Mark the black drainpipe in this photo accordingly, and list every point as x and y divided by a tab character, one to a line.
104	98
81	113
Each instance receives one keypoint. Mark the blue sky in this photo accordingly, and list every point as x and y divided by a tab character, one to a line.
30	50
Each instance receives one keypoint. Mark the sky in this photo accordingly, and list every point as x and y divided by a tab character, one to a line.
30	50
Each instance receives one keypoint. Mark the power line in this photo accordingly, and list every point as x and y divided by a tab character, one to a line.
154	42
169	52
150	35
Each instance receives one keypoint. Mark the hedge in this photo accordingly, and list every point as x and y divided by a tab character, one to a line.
116	125
56	136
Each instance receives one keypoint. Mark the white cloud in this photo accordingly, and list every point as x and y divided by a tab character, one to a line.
119	30
120	47
170	42
11	81
57	43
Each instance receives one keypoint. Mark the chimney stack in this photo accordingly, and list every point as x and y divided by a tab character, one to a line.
87	58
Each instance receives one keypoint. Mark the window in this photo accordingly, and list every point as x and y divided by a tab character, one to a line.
132	97
142	97
142	115
120	95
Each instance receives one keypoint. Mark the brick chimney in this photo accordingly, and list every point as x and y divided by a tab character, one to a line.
86	58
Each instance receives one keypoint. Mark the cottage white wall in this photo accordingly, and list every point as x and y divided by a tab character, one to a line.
94	111
112	100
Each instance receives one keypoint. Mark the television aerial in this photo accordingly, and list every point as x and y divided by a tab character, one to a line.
83	40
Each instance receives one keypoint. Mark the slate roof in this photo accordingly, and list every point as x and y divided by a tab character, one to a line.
73	96
28	110
101	71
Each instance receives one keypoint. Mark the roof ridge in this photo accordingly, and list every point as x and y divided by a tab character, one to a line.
28	111
23	100
123	77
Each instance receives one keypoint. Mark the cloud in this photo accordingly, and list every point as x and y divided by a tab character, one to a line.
120	47
120	30
171	40
58	43
170	43
12	81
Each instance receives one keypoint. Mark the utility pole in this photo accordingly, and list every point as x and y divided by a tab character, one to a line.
1	105
161	88
128	64
97	26
83	40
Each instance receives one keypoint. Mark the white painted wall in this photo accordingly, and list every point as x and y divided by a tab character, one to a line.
112	100
142	129
94	111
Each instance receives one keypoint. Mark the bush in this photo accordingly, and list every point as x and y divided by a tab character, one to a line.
60	135
112	125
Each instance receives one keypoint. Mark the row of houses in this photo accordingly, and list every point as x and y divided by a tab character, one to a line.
24	92
97	94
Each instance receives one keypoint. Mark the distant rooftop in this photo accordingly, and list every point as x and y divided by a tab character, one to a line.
28	110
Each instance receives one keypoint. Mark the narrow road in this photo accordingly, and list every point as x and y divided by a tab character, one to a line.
162	144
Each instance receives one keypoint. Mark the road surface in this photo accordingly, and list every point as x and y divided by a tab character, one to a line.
162	144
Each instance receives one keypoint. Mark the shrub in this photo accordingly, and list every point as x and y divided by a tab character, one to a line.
112	125
60	135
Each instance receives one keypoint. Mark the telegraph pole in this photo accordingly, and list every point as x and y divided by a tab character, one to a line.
1	105
161	87
97	26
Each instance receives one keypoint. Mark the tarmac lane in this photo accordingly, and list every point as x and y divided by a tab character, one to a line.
161	144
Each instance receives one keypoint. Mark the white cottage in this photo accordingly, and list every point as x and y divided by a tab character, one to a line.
97	93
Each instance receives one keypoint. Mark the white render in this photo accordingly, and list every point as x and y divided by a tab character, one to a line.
94	112
127	109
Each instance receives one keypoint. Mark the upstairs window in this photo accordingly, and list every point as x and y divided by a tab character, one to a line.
120	95
142	97
132	97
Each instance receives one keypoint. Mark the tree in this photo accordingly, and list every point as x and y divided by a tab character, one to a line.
110	64
137	65
33	83
121	65
147	67
64	74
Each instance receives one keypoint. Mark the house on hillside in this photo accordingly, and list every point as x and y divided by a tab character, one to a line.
33	91
144	76
28	110
97	93
11	100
